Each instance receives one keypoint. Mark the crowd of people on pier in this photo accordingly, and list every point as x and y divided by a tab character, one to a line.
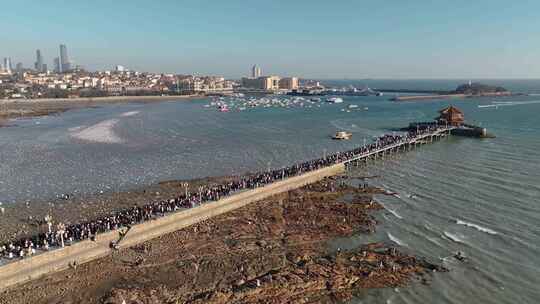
60	235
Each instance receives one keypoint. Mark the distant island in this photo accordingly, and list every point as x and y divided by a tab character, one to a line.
462	91
472	88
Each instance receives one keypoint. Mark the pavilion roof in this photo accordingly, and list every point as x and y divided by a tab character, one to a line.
451	110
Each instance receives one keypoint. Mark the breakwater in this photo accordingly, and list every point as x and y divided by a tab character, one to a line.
56	260
449	96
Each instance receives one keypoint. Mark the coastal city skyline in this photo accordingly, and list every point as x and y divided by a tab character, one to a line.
363	39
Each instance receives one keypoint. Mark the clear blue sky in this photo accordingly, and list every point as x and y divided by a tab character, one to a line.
310	38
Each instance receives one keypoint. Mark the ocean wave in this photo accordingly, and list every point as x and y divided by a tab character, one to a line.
429	227
477	227
130	113
454	237
396	240
508	103
102	132
434	241
394	212
76	129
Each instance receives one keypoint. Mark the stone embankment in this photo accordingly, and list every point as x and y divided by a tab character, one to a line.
56	260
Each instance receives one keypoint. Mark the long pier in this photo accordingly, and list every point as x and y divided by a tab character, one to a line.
33	267
404	145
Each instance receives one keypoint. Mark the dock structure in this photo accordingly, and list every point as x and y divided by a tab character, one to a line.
404	145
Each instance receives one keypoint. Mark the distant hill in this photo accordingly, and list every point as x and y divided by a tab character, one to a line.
478	89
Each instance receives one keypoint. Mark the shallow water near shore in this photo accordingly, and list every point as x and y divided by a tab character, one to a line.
480	197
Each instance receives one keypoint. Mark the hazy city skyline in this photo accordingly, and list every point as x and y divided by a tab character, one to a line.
317	39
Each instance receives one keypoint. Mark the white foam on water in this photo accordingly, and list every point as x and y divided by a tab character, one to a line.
396	240
102	132
434	241
130	113
75	129
394	212
454	237
477	227
429	227
508	103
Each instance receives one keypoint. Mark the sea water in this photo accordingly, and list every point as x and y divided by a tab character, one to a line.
477	196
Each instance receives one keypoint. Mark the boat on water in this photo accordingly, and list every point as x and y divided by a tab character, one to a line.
334	100
342	135
223	108
353	106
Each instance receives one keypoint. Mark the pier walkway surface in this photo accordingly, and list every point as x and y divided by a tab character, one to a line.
405	144
19	270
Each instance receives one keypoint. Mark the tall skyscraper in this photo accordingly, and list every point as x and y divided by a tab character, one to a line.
57	65
256	72
38	65
19	67
65	65
7	65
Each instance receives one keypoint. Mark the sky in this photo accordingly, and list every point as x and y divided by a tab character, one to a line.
337	39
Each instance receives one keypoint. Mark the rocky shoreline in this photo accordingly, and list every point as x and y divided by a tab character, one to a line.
272	251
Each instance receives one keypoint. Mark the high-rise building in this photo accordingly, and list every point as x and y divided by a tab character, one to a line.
38	65
65	65
19	67
7	65
57	65
256	71
120	68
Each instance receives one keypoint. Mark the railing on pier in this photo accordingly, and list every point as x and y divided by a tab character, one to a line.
419	138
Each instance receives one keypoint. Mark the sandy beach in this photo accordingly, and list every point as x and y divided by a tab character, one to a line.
16	108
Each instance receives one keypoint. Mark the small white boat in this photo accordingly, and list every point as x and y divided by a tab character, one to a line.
353	106
334	100
342	135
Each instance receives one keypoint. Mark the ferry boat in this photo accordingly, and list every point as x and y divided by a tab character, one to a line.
342	135
334	100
